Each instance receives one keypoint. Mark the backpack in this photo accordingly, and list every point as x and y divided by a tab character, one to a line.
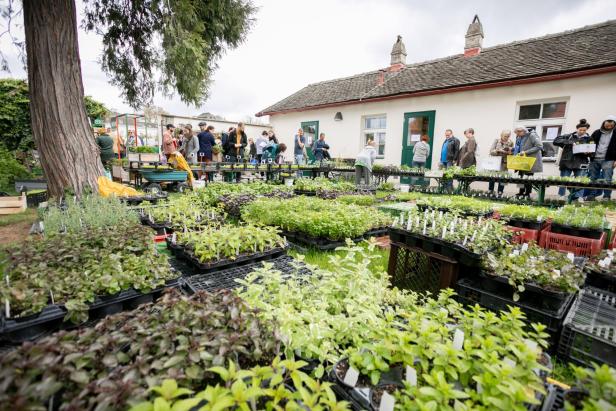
269	153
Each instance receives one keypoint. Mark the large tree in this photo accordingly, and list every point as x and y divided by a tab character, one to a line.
171	45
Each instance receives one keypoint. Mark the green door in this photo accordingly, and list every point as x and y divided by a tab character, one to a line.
416	125
311	133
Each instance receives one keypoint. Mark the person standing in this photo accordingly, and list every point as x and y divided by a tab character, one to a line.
501	147
450	150
528	143
468	152
298	151
321	148
105	145
604	160
251	150
363	163
237	142
261	143
190	146
272	136
169	145
573	163
421	152
206	144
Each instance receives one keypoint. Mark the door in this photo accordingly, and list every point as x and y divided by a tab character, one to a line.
311	134
416	125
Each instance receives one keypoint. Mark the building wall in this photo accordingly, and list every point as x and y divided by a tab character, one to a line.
488	111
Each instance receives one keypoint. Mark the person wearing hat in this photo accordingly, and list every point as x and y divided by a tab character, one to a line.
571	163
604	159
169	145
528	143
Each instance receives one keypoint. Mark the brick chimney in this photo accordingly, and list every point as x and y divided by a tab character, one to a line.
473	38
398	55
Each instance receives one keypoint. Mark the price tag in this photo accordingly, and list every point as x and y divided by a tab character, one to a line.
388	402
458	339
411	375
351	377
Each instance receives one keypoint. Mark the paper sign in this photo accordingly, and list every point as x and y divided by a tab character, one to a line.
411	375
584	148
551	133
351	377
415	137
387	402
458	339
491	163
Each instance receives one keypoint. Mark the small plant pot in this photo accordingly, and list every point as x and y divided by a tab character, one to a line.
376	393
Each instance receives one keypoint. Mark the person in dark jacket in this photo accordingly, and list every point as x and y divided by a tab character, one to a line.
321	148
604	160
467	155
450	150
105	144
528	143
237	143
206	142
571	163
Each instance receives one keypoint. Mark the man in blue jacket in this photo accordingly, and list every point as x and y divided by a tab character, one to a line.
321	148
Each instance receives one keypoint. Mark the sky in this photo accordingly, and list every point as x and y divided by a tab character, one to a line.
294	43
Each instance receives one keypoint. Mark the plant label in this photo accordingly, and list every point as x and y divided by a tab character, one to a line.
516	253
509	362
524	247
411	375
388	402
458	339
531	344
351	377
570	256
174	238
479	388
41	227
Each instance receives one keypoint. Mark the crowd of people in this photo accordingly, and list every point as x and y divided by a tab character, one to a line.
594	156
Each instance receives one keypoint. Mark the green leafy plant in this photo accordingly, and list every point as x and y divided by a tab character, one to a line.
582	217
92	211
74	268
362	200
599	382
315	217
456	203
279	386
529	263
144	149
323	184
524	212
230	242
114	364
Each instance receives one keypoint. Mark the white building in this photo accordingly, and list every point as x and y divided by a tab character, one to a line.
546	83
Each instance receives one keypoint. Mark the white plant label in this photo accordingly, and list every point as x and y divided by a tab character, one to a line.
411	375
458	339
531	344
570	256
509	362
388	402
516	253
53	301
7	309
174	238
479	388
41	226
351	377
524	247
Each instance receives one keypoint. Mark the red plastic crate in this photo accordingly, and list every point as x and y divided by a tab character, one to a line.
577	245
613	243
160	238
527	235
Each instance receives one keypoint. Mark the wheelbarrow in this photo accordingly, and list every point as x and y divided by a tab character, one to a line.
157	179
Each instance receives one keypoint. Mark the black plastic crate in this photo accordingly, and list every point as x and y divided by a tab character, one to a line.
470	293
600	279
227	278
529	224
325	244
533	295
576	231
33	200
589	331
554	399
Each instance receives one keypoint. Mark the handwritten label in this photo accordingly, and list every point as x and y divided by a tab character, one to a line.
387	402
411	375
351	377
458	339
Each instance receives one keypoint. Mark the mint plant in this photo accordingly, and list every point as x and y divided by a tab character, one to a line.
599	382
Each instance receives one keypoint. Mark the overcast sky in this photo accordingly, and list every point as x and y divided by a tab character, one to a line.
294	43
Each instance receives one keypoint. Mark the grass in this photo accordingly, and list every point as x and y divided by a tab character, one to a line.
562	372
28	216
321	258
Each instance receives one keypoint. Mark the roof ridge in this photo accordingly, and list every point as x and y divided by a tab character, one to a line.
346	78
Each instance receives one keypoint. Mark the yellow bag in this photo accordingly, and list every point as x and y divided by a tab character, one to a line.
107	188
179	163
521	163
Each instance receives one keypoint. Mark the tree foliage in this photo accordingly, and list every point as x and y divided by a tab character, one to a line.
172	44
15	130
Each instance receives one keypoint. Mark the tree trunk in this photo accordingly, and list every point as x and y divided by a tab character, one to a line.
60	125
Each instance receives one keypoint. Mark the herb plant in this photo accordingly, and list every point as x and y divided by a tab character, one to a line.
581	217
524	212
115	363
323	184
74	268
600	384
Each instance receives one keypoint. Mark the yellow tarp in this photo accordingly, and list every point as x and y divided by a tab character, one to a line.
179	163
107	188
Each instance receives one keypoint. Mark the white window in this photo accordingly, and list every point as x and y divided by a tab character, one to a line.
375	128
546	117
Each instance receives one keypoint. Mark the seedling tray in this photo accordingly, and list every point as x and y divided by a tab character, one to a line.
589	332
327	244
469	293
227	278
576	231
436	246
51	319
185	253
485	214
307	193
534	296
603	280
528	224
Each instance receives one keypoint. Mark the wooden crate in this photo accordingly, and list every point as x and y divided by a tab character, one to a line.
13	205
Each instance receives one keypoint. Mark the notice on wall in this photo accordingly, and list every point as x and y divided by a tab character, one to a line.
415	137
551	132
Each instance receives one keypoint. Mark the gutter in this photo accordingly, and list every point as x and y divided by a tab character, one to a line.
454	89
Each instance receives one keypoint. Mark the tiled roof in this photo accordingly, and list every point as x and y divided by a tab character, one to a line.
585	48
